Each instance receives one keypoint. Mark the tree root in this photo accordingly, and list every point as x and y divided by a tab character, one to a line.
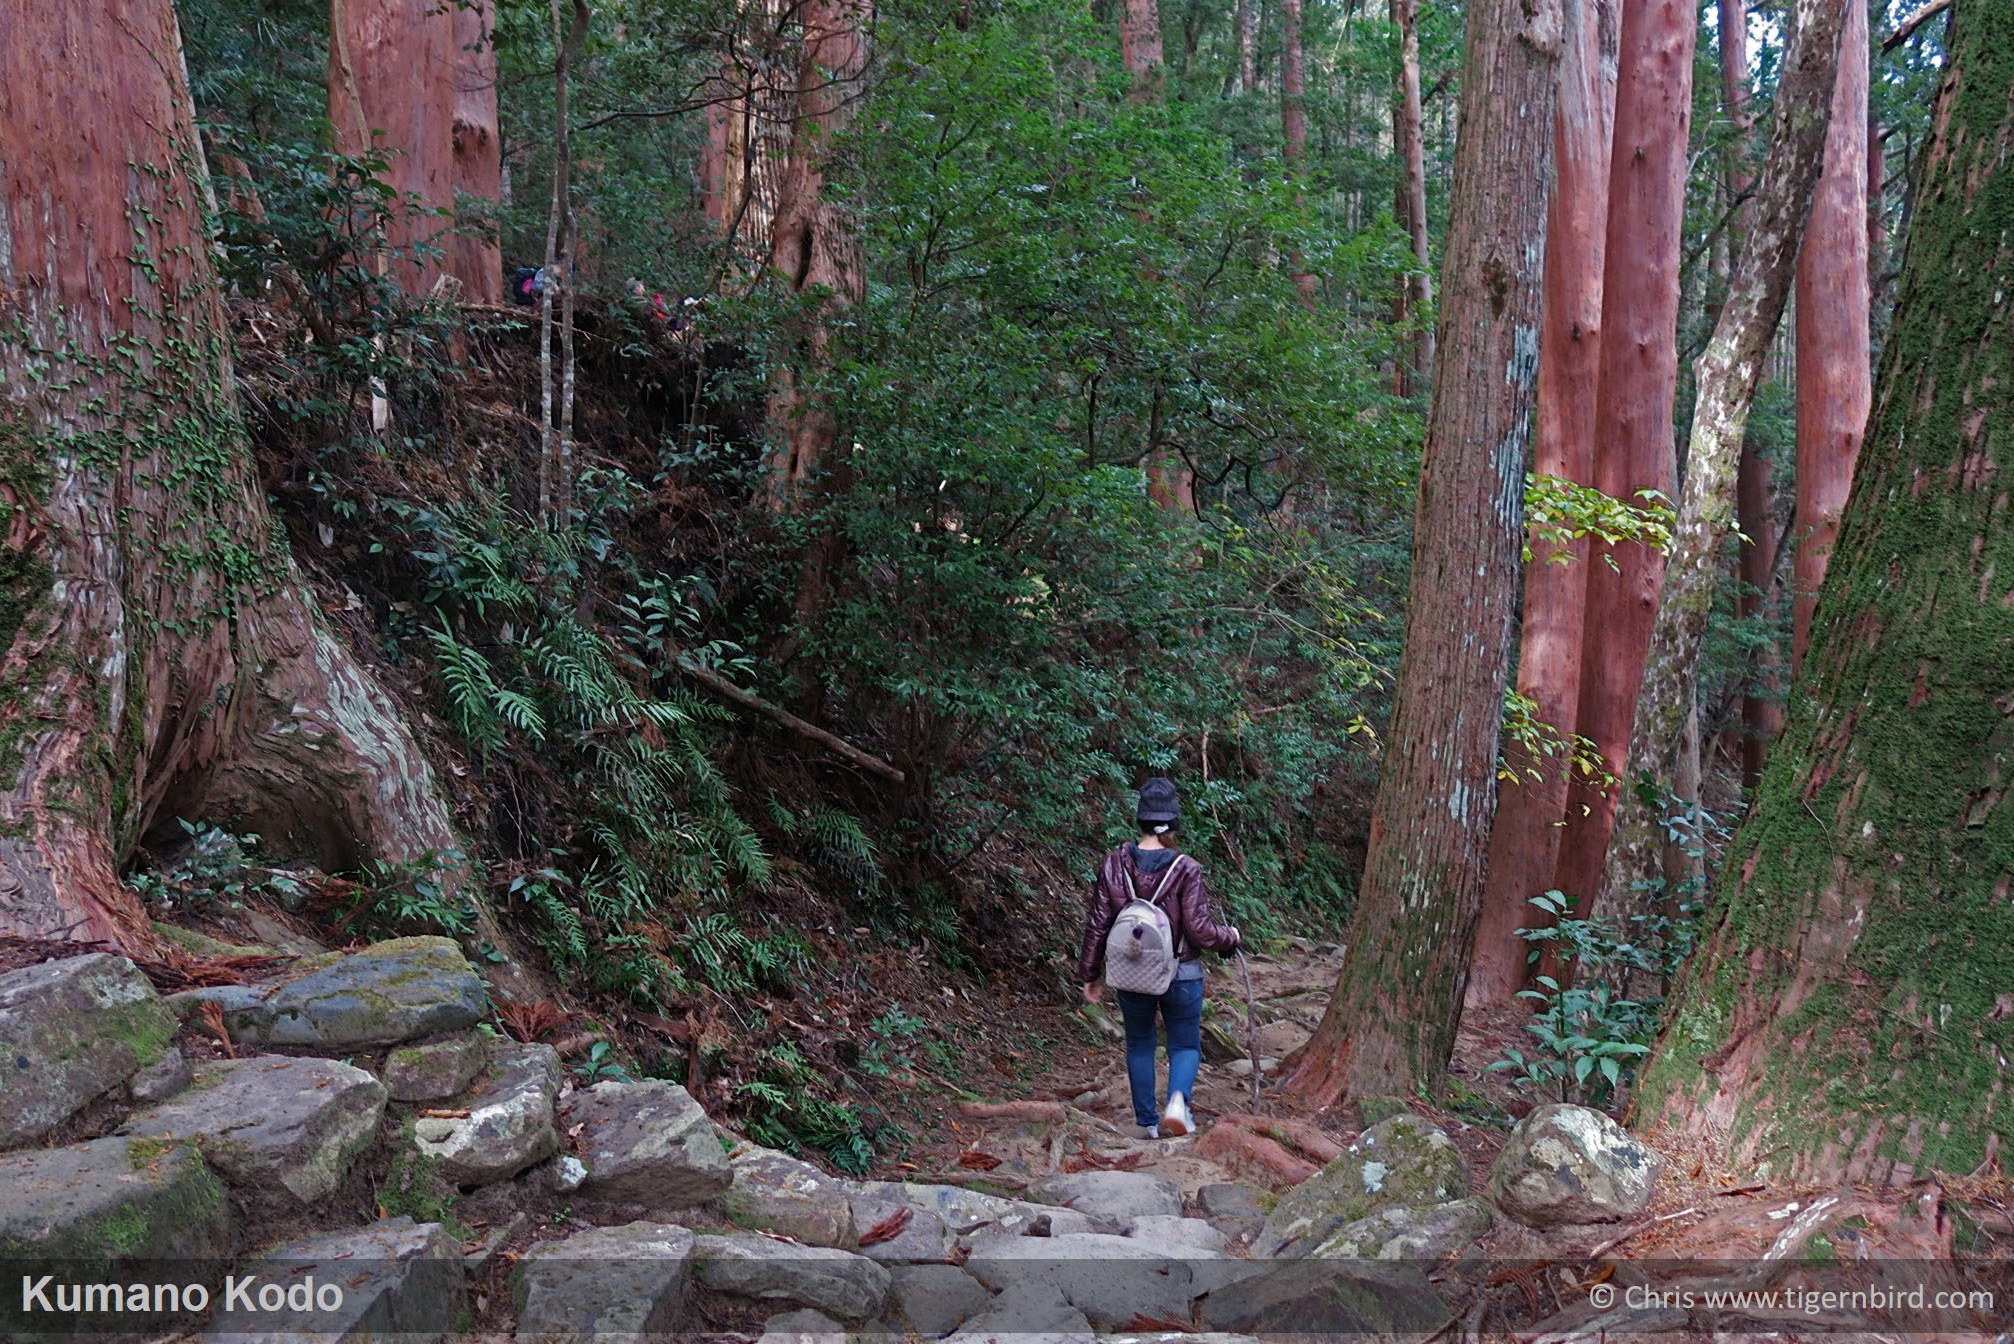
1296	1134
1253	1153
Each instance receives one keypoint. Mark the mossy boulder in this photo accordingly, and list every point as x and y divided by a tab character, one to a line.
400	1280
1401	1163
1570	1165
625	1282
278	1129
385	994
71	1031
647	1143
1409	1234
774	1192
435	1069
112	1198
509	1123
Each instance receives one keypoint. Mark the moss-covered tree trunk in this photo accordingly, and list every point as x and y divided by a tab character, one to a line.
161	656
1851	1013
1391	1021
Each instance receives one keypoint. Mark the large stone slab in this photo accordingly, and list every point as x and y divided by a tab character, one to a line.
969	1212
1173	1234
113	1198
648	1143
1114	1198
275	1127
509	1124
608	1282
842	1285
1312	1299
775	1192
1569	1164
1403	1162
922	1239
932	1300
384	994
1027	1313
802	1326
394	1280
1110	1279
71	1031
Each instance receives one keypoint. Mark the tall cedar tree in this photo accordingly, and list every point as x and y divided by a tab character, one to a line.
1416	290
1835	384
1294	127
1755	504
394	75
1848	1014
162	657
473	255
1639	379
1531	800
1726	375
1391	1021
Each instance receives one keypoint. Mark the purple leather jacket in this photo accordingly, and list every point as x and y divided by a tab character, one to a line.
1187	904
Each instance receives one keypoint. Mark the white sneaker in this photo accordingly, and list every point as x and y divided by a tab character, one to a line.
1176	1120
1146	1131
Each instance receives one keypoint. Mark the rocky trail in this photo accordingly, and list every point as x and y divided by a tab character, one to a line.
347	1151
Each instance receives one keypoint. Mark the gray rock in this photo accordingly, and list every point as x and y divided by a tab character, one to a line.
1027	1313
1227	1200
509	1122
1409	1234
1403	1162
384	994
270	1124
132	1198
802	1326
923	1240
1570	1164
71	1031
1111	1197
607	1281
775	1192
162	1079
1110	1279
1328	1298
931	1300
397	1280
435	1069
969	1212
648	1143
1175	1234
838	1283
569	1174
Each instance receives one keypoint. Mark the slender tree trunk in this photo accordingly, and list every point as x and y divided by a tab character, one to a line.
1391	1021
161	658
555	481
1639	378
1726	376
1531	803
1245	41
1408	140
1762	704
1294	127
474	258
816	256
393	74
1847	1018
1834	383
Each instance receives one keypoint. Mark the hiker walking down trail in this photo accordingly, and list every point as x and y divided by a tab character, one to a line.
1149	923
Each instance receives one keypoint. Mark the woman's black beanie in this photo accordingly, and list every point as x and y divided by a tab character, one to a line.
1157	804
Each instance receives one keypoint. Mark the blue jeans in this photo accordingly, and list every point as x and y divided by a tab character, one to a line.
1181	1007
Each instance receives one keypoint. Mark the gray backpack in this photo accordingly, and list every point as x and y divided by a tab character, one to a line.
1140	955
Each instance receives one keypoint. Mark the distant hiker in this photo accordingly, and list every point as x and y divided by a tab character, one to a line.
524	286
1148	924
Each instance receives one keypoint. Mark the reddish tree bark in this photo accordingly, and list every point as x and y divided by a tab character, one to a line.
1416	292
1140	47
815	256
1761	706
159	657
1639	379
1726	375
392	86
1524	840
1834	383
1245	40
473	256
1391	1021
1848	1016
750	105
